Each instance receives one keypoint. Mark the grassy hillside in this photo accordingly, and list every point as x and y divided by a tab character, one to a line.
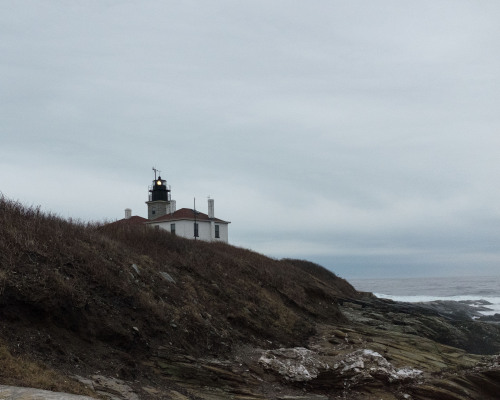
84	297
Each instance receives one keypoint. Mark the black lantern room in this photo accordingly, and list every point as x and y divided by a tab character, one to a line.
159	190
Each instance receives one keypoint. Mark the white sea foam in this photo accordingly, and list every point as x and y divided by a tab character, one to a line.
475	301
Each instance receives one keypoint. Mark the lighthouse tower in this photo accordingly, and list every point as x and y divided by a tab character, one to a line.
159	202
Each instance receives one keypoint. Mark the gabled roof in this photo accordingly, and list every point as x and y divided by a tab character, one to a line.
186	214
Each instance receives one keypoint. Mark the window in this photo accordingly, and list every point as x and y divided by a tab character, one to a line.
153	212
217	233
196	229
172	229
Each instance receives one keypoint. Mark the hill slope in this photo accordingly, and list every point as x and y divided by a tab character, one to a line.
71	292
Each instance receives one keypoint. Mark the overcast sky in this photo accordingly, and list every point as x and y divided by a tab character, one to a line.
363	135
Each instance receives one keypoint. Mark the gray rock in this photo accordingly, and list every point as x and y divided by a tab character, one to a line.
361	366
114	388
136	269
22	393
167	277
297	364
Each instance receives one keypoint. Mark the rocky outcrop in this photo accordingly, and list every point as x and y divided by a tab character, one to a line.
353	369
296	365
110	388
387	351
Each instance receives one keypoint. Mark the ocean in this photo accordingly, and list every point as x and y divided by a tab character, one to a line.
466	288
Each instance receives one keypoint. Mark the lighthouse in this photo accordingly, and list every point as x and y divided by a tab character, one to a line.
159	202
188	223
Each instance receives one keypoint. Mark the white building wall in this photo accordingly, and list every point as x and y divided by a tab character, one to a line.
182	228
206	229
223	233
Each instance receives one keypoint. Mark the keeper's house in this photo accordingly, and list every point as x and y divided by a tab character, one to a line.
185	222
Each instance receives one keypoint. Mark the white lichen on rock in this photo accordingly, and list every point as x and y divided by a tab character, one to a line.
302	365
367	363
297	364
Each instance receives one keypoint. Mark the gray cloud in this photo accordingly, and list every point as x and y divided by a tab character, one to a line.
361	135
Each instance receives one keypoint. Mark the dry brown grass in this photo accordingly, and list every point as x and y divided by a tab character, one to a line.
70	281
18	371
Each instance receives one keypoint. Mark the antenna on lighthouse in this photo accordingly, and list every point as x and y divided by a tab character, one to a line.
156	170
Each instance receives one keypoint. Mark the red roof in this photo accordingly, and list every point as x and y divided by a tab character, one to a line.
186	213
135	220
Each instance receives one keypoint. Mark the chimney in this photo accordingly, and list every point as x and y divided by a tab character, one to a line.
128	213
210	208
171	207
